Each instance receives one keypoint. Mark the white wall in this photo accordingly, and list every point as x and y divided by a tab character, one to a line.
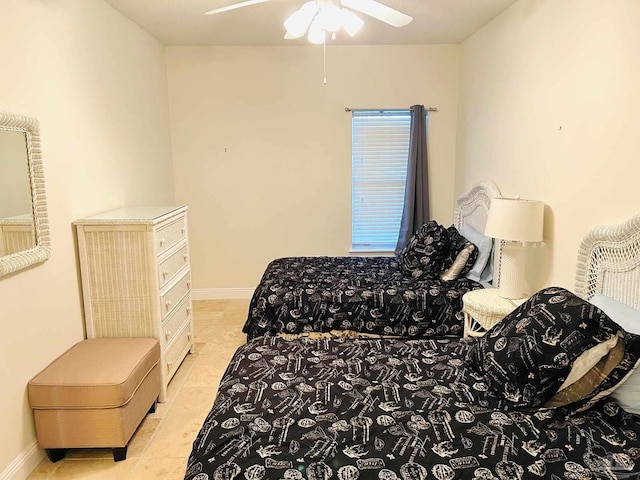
263	149
97	84
548	108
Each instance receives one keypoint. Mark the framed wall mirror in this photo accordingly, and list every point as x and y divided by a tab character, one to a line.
24	228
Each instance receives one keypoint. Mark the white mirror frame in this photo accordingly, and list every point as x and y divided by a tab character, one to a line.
42	251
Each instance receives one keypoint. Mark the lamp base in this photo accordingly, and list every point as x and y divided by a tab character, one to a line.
511	278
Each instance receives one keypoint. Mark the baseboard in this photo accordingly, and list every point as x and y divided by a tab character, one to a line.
221	294
23	464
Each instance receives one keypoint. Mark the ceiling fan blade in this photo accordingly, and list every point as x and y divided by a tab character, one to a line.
234	6
379	11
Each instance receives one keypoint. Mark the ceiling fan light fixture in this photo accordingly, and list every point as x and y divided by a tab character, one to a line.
351	22
330	17
319	17
325	17
316	32
298	22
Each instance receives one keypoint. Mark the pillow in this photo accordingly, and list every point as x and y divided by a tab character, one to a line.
627	394
527	356
484	245
457	245
628	318
486	278
586	386
459	264
588	360
624	374
426	251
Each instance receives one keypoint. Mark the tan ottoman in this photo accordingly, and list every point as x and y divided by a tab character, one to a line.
95	395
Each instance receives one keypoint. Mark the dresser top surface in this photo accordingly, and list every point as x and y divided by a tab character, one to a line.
134	214
25	219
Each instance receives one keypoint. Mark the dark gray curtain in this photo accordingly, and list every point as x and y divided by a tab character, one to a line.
416	194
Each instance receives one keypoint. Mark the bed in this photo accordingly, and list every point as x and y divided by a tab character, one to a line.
381	295
495	407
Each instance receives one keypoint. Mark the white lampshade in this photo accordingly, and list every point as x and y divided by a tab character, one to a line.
515	219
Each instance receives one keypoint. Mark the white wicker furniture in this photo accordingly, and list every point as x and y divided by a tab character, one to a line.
484	308
16	234
136	279
472	208
30	128
609	262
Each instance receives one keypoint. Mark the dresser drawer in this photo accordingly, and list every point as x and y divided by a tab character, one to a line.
176	320
177	351
169	234
172	265
171	298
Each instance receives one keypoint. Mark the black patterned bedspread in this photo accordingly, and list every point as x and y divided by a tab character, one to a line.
365	294
392	409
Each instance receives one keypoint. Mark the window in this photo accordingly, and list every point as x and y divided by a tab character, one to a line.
379	155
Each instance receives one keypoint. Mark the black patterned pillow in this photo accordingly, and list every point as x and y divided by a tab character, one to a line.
426	251
460	249
528	355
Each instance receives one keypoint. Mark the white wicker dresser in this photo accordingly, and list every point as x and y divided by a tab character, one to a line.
136	280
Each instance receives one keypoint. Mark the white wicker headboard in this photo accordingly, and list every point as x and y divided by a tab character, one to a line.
472	208
609	262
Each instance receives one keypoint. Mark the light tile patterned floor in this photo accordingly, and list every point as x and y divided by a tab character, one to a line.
161	445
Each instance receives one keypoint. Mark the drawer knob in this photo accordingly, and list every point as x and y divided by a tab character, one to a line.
161	242
182	230
167	334
186	257
169	365
189	283
188	310
168	304
165	273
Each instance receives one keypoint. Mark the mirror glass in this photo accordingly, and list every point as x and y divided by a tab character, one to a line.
24	231
17	231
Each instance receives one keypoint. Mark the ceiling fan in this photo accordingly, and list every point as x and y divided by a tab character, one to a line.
319	17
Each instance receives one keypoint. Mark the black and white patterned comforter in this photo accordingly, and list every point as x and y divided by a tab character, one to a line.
365	294
392	409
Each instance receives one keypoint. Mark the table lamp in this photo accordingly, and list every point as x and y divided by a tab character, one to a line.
516	221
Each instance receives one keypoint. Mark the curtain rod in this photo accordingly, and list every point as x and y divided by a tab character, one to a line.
428	109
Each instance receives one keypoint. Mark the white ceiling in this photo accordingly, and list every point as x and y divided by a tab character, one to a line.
182	22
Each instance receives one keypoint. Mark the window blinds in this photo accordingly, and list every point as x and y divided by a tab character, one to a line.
380	150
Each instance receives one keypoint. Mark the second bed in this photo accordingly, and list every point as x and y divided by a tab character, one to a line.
403	295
